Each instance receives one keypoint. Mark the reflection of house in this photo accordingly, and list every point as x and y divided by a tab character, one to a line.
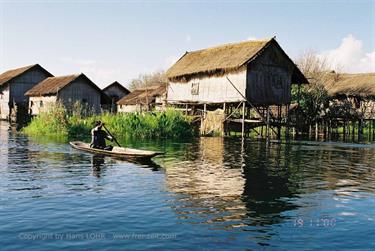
115	92
13	85
143	99
66	90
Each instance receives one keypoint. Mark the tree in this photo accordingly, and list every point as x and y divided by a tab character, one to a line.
148	79
313	98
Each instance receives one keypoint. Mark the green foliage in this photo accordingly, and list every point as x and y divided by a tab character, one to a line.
49	123
164	124
313	100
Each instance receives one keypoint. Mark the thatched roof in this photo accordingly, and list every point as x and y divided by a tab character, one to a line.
11	74
222	59
118	85
357	85
145	95
52	85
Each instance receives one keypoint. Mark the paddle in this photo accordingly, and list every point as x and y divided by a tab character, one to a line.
111	135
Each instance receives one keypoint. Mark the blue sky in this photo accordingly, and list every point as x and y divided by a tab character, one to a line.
117	40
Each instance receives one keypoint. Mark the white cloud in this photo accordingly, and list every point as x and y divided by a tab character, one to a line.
251	38
350	57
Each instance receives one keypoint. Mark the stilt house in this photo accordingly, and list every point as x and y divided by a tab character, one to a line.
13	86
115	92
258	71
255	73
143	99
65	90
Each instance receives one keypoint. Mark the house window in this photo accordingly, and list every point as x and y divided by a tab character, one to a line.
194	88
41	103
31	103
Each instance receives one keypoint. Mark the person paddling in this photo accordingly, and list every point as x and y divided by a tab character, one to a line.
98	137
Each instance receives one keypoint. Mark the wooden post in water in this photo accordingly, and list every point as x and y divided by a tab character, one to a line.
224	122
243	119
268	124
287	121
279	122
360	129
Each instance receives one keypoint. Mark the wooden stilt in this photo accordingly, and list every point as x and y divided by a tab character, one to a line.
287	121
243	119
225	115
268	125
279	122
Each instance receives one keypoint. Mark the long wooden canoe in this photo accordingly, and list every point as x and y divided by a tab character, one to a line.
119	152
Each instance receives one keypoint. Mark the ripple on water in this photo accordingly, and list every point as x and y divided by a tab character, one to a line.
209	192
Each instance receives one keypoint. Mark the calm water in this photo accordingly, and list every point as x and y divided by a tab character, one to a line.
206	194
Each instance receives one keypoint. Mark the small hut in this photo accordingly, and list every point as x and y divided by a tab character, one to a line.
143	99
115	92
13	86
352	99
251	74
66	90
358	89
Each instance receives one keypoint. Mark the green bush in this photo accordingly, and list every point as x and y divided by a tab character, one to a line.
164	124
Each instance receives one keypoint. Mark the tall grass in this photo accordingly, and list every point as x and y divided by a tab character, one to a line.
164	124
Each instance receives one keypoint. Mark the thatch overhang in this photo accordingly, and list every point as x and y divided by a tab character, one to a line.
224	59
9	75
52	85
145	95
361	85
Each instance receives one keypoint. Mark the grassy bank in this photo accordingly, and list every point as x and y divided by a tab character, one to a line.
164	124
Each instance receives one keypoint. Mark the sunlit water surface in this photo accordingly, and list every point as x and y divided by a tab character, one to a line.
203	194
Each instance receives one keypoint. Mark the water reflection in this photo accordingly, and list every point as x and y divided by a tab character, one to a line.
232	184
224	186
97	162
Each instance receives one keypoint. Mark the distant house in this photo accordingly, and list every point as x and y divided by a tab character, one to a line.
115	92
13	86
258	71
143	99
355	89
66	90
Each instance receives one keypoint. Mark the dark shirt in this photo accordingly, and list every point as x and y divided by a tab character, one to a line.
98	138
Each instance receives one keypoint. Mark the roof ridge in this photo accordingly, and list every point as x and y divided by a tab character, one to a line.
234	43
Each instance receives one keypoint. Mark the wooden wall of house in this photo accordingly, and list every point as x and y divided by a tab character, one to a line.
15	90
4	102
129	108
80	90
39	104
208	89
269	78
25	82
115	91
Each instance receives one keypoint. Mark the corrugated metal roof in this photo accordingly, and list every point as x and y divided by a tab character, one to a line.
118	85
11	74
143	95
